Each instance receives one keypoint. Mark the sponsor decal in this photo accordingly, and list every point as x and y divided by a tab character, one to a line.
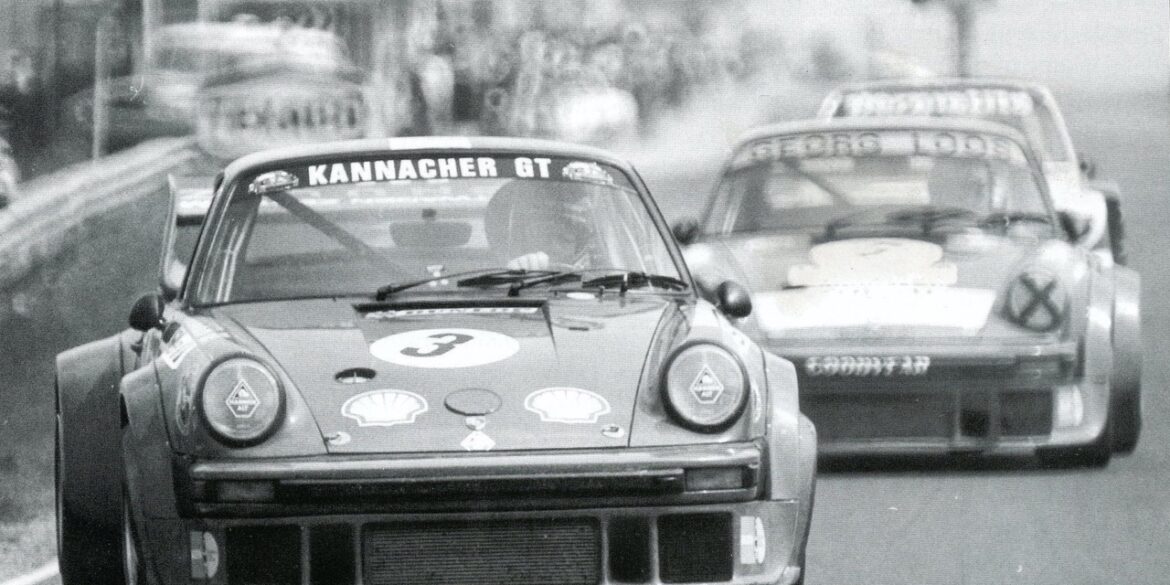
613	431
567	405
969	103
185	406
477	441
872	143
867	366
706	387
384	408
400	313
445	348
1032	301
242	402
587	171
181	345
204	555
874	307
874	261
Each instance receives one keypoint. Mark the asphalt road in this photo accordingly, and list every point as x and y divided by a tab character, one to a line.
917	524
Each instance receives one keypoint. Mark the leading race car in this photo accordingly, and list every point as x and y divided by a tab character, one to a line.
916	272
348	383
1027	107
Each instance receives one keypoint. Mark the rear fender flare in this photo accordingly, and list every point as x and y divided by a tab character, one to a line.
1126	378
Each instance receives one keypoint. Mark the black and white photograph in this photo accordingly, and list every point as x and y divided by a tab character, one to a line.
584	292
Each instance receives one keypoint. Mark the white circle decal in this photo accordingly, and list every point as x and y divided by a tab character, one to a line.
445	348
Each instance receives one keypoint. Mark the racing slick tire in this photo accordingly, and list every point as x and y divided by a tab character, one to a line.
1115	229
1125	381
1095	454
88	467
133	571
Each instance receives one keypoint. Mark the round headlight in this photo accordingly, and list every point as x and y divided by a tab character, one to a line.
705	387
241	401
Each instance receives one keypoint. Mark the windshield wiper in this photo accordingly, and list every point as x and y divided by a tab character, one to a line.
1006	218
481	277
926	216
632	279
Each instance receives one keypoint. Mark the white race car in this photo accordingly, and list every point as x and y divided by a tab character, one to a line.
1027	107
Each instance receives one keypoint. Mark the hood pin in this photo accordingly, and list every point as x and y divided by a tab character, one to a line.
613	431
338	438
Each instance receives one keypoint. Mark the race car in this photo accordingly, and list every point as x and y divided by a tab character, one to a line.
933	300
1027	107
346	383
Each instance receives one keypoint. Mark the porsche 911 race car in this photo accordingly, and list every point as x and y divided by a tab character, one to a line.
349	381
1027	107
917	274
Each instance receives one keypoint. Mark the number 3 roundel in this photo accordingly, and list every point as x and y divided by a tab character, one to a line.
445	348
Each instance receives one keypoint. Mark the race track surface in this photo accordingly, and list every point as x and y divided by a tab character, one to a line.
919	523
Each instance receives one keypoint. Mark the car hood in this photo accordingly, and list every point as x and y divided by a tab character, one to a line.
460	377
882	287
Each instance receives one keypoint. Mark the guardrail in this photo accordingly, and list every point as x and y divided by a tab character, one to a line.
46	216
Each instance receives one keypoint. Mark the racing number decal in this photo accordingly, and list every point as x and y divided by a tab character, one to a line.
438	348
445	348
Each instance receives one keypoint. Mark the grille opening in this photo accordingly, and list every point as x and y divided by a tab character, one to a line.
331	555
549	551
880	416
629	550
695	548
975	414
263	555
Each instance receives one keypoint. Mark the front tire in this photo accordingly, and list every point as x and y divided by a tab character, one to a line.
87	551
1095	454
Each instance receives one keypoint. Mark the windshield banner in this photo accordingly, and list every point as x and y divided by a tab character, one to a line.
882	143
978	103
463	166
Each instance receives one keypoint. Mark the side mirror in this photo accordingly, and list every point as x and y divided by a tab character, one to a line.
1075	227
733	300
147	313
1088	167
685	231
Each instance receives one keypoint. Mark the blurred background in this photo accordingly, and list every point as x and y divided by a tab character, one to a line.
100	102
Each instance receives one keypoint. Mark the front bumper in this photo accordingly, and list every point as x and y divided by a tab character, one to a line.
596	517
1011	401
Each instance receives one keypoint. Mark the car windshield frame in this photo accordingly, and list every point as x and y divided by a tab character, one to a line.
196	294
719	211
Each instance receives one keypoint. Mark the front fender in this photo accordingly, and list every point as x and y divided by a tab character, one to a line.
791	437
1126	379
87	405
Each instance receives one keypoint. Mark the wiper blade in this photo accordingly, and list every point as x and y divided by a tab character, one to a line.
481	277
1007	218
498	277
632	279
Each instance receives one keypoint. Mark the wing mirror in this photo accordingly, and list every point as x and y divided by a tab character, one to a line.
686	231
1075	226
733	299
147	313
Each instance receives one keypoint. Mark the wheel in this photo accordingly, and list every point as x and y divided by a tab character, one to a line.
1095	454
1125	416
87	551
1115	230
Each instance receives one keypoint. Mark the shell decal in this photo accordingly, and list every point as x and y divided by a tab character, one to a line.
567	405
384	408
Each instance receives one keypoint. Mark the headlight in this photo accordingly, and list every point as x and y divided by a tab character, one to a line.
705	387
1036	300
241	401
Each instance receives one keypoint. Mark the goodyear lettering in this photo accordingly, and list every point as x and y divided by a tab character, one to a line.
408	169
867	366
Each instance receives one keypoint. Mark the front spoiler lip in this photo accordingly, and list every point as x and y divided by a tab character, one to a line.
501	465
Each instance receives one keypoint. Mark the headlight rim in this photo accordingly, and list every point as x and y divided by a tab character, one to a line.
277	419
664	391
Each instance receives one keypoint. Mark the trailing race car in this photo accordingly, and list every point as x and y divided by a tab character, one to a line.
932	299
349	384
1027	107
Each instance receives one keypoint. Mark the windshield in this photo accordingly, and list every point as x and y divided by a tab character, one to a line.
834	180
341	228
1028	113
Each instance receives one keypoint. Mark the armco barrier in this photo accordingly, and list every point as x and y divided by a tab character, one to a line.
45	216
